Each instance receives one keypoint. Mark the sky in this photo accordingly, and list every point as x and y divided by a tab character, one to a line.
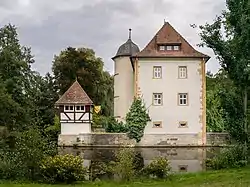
49	26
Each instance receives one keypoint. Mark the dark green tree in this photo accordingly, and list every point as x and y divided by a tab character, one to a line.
83	65
229	37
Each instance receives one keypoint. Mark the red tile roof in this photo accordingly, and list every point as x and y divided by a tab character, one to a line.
168	35
75	95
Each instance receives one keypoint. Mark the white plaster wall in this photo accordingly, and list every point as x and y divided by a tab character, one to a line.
123	86
75	128
78	115
170	113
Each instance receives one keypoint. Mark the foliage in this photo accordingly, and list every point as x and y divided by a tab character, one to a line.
159	168
52	131
123	168
113	126
63	169
232	157
136	119
23	161
83	65
229	177
229	38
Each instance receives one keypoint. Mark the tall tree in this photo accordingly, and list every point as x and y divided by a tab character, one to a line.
83	65
229	37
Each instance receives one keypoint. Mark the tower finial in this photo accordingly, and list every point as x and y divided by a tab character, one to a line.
164	21
129	35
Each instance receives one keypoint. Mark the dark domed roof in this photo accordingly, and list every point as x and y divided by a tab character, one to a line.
127	49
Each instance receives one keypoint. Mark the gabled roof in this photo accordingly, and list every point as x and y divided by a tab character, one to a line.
75	95
168	35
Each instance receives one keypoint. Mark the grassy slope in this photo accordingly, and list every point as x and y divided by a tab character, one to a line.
227	178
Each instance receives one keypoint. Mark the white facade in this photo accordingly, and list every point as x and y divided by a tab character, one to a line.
172	117
75	128
123	87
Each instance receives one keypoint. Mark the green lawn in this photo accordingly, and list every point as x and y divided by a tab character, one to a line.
227	178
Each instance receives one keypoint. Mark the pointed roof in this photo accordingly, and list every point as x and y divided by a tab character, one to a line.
168	35
75	95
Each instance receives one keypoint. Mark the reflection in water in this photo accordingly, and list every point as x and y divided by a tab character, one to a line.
181	159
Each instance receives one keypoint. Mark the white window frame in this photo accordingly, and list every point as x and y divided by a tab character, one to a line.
176	47
169	47
157	122
81	110
156	98
183	99
69	110
182	72
157	72
162	47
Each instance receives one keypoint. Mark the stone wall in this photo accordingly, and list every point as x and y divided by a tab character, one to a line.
154	140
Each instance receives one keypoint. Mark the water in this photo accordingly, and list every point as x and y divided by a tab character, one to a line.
181	159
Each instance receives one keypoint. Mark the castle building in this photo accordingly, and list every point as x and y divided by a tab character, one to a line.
75	111
169	75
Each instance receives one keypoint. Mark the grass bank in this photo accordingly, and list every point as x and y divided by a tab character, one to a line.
227	178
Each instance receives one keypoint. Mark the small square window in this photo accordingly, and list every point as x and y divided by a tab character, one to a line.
169	47
69	108
82	107
176	48
183	99
157	124
157	72
162	48
183	124
183	168
182	72
77	107
157	99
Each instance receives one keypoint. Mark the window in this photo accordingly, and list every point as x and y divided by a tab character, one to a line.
157	72
183	168
79	108
169	47
176	48
157	124
182	72
69	108
182	124
183	99
157	99
162	47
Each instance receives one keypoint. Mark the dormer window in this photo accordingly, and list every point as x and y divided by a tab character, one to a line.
176	47
169	47
162	48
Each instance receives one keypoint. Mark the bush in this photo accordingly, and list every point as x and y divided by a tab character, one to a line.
159	168
22	162
113	126
233	157
63	169
123	168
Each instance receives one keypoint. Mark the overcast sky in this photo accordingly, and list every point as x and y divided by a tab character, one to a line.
49	26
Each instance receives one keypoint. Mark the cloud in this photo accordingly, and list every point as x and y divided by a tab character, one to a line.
50	26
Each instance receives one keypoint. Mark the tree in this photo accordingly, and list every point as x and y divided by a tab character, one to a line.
136	119
83	65
229	37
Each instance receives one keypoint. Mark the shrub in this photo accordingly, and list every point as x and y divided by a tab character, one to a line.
63	169
123	168
113	126
159	168
22	162
137	119
233	157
